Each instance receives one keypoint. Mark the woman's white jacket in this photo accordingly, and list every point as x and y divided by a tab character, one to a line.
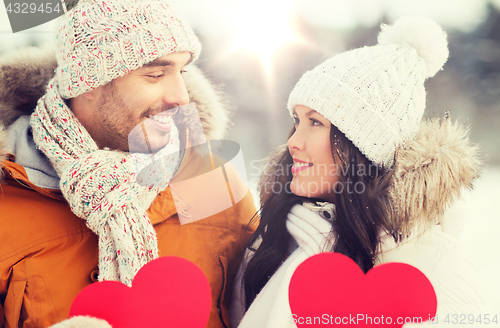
430	174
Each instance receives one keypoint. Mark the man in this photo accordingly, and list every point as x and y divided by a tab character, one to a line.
119	64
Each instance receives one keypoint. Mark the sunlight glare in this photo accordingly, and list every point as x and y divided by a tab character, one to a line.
262	27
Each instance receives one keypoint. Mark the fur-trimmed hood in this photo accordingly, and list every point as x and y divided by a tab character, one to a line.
24	75
429	174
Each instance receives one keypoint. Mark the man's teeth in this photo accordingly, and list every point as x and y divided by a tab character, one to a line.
161	119
298	164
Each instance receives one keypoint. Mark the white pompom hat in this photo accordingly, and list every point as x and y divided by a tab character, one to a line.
375	95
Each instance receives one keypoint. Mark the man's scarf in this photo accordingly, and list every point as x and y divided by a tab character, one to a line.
101	188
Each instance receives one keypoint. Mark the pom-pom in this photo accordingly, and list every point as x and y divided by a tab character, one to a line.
423	34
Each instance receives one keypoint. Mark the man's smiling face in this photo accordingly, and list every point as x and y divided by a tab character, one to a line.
148	92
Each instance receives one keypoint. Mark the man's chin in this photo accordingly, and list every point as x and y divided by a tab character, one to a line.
157	144
150	145
147	138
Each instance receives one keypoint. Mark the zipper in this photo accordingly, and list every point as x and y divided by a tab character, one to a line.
20	181
221	291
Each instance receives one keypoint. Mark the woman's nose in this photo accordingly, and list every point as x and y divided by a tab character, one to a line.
297	140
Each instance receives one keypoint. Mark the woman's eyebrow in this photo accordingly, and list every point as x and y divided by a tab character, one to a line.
309	113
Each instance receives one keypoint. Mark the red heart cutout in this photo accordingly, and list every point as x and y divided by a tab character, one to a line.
330	288
167	292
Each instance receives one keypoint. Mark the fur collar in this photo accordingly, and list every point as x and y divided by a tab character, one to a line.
429	174
24	74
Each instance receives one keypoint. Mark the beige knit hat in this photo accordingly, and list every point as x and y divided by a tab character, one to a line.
375	95
100	40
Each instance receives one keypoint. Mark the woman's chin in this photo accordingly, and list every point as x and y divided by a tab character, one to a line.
296	189
311	189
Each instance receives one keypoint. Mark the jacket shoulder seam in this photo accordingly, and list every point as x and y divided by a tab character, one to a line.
27	247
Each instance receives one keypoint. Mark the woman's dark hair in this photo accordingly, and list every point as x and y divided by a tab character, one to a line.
359	217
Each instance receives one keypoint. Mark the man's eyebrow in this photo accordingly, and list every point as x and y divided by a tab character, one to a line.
164	62
159	62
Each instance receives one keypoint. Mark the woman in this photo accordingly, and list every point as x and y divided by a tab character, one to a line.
364	177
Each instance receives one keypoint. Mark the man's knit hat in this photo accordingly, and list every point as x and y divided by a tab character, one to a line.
100	40
375	95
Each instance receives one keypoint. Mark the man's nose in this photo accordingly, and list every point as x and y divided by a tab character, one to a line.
175	93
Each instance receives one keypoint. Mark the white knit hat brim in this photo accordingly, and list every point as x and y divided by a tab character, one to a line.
92	53
375	95
329	96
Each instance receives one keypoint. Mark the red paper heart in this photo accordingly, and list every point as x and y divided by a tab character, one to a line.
331	289
167	292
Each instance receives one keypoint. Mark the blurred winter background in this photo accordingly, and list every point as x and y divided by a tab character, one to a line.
256	50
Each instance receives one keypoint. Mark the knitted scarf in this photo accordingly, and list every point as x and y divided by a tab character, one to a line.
100	186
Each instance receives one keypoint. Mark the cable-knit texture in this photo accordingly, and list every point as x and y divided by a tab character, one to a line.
101	188
375	95
98	41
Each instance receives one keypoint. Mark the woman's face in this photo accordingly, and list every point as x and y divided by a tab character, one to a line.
314	170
